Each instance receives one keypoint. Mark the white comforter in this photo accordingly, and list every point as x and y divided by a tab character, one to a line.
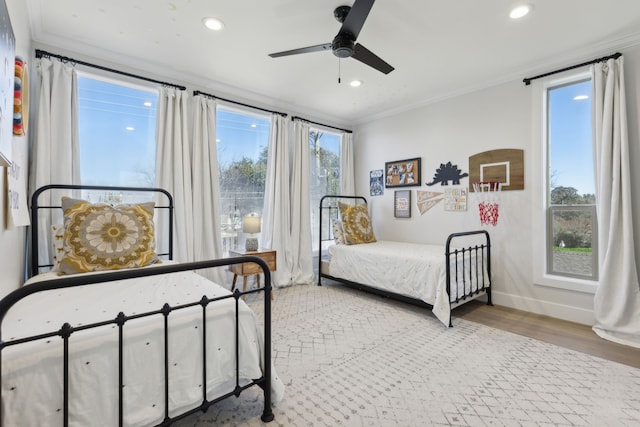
32	373
410	269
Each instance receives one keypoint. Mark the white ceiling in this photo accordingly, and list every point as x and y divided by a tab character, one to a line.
439	48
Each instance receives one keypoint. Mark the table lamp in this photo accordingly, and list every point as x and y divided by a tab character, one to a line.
251	225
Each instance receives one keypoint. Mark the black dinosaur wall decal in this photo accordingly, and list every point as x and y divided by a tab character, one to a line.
446	173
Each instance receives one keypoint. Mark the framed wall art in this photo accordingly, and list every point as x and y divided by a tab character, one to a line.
402	204
403	173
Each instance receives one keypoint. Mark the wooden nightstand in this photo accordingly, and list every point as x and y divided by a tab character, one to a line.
249	268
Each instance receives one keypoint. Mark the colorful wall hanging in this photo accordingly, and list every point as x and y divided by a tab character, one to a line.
20	98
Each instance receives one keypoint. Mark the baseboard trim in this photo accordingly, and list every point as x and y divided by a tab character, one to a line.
546	308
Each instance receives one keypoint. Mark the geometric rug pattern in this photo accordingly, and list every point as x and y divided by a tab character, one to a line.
349	358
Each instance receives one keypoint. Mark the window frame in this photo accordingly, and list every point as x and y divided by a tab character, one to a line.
541	224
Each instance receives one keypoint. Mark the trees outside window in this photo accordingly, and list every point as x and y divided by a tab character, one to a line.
324	172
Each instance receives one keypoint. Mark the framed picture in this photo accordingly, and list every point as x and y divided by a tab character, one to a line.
403	173
402	204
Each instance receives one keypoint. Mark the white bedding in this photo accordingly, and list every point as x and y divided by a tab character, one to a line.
410	269
32	373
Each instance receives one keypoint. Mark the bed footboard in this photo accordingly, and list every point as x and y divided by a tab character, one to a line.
468	269
121	321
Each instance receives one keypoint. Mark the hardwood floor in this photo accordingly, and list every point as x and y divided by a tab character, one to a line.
544	328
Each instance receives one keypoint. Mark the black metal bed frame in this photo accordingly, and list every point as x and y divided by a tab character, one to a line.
66	330
461	259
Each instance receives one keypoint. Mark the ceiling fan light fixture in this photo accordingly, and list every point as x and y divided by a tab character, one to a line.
520	11
214	24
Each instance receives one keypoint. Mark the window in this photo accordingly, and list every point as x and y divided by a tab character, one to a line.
117	129
324	170
242	141
571	225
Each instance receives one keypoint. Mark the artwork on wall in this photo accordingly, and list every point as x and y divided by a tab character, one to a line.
504	166
402	204
427	199
376	182
7	58
403	173
447	172
455	199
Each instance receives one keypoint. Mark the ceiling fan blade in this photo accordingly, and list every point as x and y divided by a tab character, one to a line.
355	18
365	56
316	48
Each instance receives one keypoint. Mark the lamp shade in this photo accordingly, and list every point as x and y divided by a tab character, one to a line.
251	223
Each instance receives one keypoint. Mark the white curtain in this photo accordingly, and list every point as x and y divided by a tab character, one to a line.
206	188
54	153
617	299
276	216
347	166
173	168
300	236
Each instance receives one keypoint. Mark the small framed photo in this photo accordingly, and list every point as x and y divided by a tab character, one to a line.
402	204
403	173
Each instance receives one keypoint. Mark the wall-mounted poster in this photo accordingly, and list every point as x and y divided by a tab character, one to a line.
402	204
7	58
403	173
376	182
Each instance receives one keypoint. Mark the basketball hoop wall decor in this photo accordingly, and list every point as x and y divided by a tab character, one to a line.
488	195
505	166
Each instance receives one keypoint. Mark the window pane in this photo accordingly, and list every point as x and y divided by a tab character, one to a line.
572	231
117	127
571	142
242	145
324	169
571	237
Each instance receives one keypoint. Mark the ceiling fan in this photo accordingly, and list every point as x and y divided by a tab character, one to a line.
344	43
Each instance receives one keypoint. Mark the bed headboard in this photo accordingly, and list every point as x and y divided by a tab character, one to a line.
162	198
328	211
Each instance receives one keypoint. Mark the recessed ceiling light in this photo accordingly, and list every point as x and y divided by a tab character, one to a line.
253	125
213	24
580	97
520	11
130	128
356	83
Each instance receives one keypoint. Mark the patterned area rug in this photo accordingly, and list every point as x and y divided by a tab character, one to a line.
349	358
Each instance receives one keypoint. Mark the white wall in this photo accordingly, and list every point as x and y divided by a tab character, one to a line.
452	130
12	239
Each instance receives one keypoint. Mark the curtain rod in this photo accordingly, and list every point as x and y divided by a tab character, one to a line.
321	124
41	53
527	81
197	92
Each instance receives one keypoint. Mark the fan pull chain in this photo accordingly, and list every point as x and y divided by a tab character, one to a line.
339	71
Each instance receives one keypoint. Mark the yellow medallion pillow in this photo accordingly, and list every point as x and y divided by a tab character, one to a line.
104	237
356	226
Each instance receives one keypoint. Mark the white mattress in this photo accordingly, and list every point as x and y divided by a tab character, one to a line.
410	269
32	373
